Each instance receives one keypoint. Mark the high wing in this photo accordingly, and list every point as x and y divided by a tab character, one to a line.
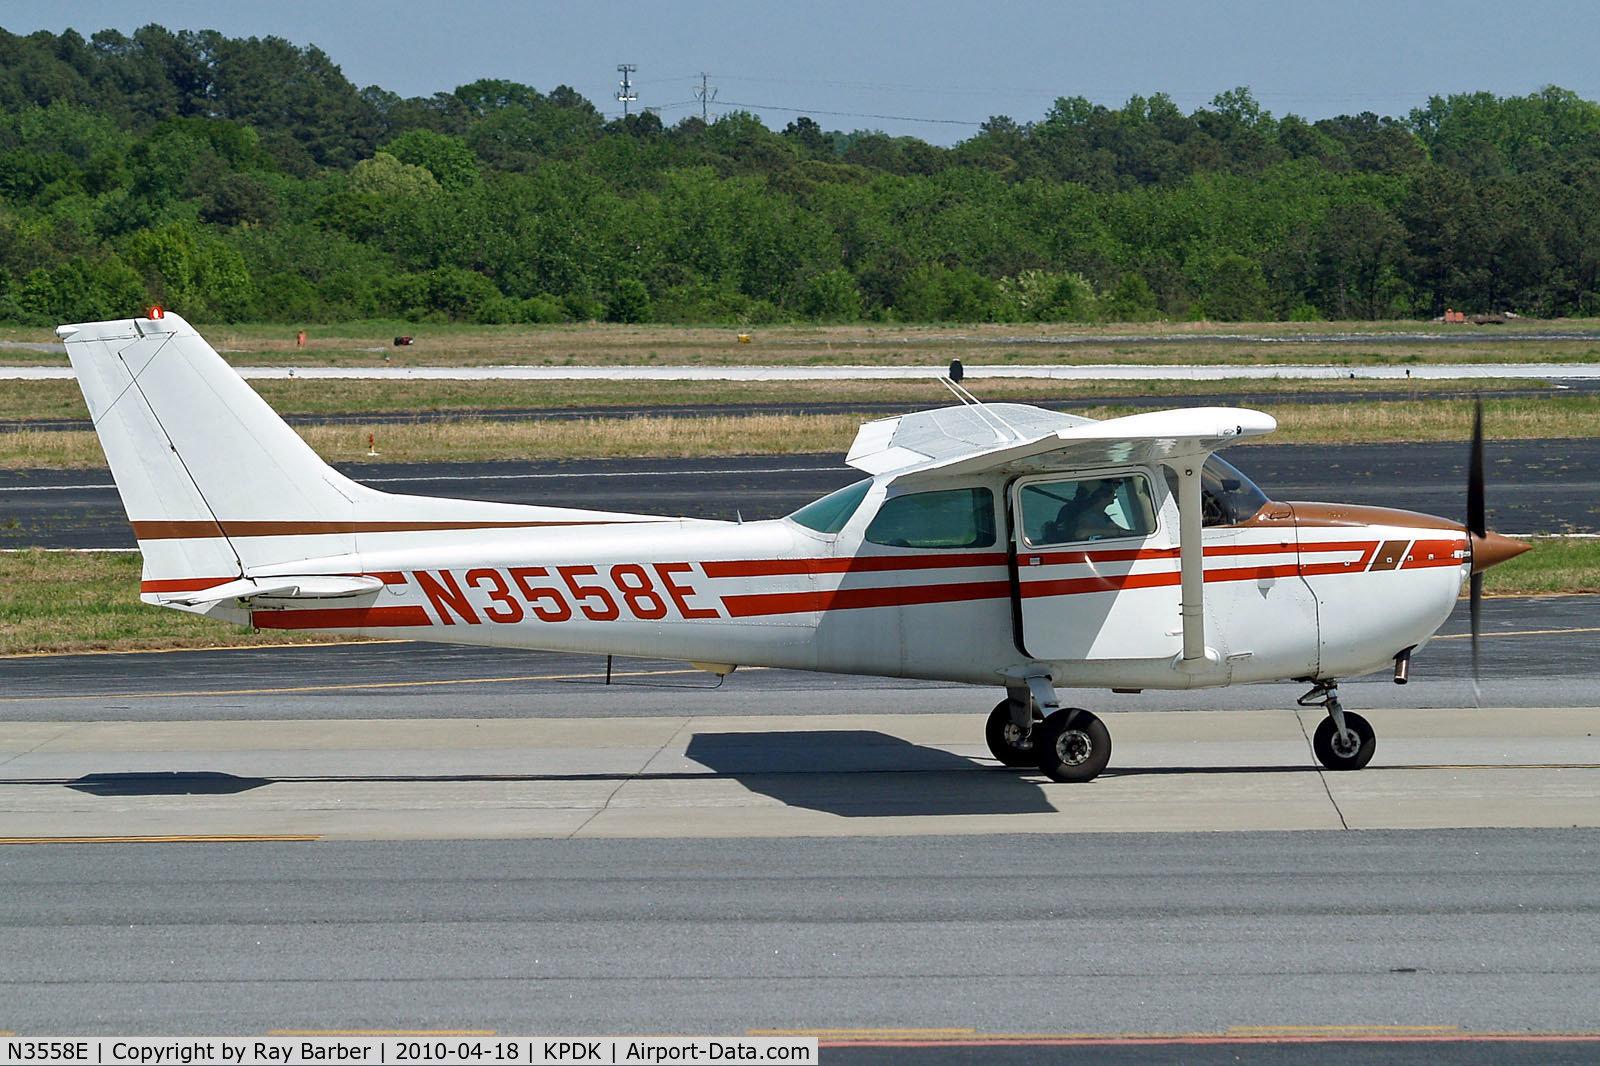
1019	438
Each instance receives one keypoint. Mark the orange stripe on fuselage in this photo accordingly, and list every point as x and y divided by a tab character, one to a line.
1431	553
184	584
767	603
341	618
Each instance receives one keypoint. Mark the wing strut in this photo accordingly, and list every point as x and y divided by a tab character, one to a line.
1191	559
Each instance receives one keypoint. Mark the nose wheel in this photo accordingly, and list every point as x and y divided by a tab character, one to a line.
1344	740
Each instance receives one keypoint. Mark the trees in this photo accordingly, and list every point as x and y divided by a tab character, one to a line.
249	177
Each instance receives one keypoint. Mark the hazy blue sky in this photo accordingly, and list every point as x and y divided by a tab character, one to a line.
897	67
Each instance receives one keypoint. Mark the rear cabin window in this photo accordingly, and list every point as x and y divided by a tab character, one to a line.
1103	508
953	518
829	514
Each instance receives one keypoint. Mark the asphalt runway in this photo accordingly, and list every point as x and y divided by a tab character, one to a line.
1544	486
1395	939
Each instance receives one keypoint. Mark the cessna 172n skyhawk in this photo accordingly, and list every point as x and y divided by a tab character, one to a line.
992	543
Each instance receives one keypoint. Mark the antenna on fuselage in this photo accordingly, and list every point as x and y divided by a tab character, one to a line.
952	381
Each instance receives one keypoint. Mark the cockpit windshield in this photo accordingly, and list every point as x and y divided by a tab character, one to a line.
829	514
1227	497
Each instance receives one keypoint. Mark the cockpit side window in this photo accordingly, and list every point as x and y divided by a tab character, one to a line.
1227	497
950	518
1082	509
829	514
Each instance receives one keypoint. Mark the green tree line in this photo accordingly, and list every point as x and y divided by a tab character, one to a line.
248	180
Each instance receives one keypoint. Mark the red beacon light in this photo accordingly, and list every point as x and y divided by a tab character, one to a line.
156	312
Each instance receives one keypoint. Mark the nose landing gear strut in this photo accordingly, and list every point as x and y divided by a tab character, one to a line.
1344	740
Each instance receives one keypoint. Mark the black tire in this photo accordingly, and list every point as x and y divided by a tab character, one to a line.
1329	754
1004	742
1073	745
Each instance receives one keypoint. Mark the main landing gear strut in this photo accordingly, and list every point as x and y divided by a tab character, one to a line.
1031	728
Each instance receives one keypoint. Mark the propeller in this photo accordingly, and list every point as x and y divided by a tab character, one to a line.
1488	549
1477	530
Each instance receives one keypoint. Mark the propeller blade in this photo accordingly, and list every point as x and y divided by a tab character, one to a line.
1477	529
1476	524
1474	605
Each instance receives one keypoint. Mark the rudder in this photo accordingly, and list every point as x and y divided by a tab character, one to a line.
194	451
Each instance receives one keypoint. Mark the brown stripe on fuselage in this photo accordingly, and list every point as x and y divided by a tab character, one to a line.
1341	514
1390	554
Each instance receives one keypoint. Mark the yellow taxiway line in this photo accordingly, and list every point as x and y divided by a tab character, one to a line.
172	838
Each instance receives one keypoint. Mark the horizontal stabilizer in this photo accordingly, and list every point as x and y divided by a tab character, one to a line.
311	587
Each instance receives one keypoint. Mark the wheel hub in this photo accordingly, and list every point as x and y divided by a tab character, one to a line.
1345	744
1074	747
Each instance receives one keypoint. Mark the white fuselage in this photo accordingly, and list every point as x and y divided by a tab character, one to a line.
1291	597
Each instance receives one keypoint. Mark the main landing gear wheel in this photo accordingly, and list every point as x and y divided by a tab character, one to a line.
1006	740
1072	744
1351	752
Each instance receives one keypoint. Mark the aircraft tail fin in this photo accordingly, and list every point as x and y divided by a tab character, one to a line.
197	456
226	499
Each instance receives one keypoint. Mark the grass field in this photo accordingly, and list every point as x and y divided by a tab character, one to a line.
1357	344
48	400
89	601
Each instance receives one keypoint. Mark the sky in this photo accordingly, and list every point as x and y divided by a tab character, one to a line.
934	70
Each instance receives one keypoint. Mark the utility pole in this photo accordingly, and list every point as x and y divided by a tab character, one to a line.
704	95
627	95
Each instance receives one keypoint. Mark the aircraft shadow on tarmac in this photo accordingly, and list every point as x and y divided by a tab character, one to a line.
859	773
849	773
167	783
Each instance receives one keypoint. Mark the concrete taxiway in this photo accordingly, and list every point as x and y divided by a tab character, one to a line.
393	740
668	775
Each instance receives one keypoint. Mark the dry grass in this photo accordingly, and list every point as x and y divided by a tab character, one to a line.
588	438
33	449
1437	420
371	343
53	400
476	440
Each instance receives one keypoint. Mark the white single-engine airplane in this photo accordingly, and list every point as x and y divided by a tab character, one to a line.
993	544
